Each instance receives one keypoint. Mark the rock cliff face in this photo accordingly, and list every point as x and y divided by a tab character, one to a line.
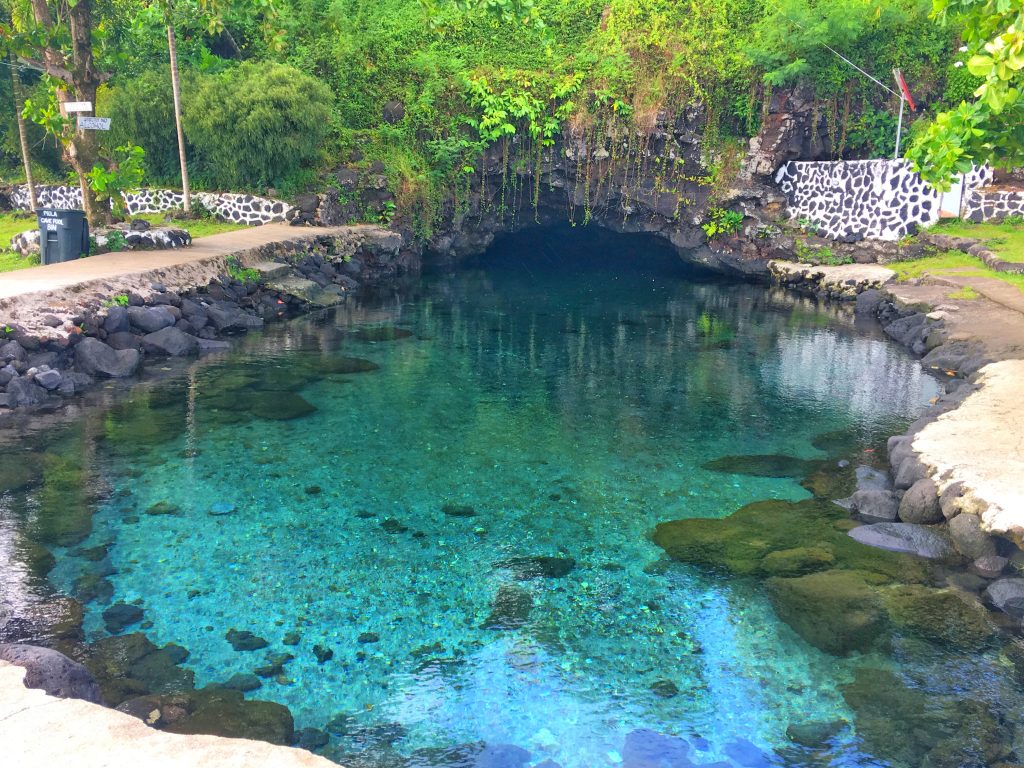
660	183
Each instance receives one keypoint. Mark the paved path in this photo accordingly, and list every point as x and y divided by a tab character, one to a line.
108	266
35	733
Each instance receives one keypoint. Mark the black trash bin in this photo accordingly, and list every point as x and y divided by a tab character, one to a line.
63	235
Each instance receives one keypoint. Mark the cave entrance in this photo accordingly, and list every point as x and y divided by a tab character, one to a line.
591	252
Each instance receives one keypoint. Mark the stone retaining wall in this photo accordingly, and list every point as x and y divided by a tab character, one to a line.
993	204
53	352
865	199
229	206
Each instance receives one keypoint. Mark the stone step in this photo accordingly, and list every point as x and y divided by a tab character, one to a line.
271	270
307	291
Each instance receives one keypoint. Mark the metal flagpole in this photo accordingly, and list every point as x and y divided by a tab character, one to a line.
899	130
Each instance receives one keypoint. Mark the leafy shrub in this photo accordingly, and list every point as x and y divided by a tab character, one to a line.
142	113
874	131
253	125
722	222
121	174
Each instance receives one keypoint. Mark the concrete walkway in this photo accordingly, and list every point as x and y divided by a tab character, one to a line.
41	731
110	266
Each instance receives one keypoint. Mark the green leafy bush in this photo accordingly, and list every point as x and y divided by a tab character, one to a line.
122	173
142	113
722	222
254	125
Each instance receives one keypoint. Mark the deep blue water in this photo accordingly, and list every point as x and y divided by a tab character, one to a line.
568	391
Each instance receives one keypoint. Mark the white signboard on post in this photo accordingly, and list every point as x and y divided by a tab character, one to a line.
78	106
93	123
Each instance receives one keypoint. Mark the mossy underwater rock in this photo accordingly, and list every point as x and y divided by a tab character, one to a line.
798	561
837	611
907	726
270	404
771	465
381	333
939	615
128	666
223	712
766	537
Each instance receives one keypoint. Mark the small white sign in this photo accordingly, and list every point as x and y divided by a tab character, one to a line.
94	123
78	106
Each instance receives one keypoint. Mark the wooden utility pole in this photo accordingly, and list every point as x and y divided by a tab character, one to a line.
172	47
18	101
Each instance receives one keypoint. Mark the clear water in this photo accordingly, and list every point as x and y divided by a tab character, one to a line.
569	392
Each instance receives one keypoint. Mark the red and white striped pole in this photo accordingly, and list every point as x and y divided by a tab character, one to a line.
905	98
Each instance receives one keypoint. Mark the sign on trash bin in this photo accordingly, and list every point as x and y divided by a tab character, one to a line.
93	123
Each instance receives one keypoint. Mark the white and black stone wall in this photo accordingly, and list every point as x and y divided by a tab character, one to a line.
865	199
993	204
240	208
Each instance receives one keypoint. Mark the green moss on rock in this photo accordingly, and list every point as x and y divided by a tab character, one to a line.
742	543
798	561
939	615
836	611
907	726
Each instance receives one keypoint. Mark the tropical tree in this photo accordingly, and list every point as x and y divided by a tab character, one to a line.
167	7
989	129
57	39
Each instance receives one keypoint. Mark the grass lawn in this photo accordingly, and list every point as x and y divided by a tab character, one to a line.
1005	239
952	263
12	224
195	227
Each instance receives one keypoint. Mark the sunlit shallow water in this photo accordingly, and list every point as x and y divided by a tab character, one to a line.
559	399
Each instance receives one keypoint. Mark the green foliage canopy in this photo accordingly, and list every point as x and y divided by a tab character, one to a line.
990	128
257	123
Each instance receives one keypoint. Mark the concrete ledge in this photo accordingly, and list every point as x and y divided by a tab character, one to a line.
41	731
981	444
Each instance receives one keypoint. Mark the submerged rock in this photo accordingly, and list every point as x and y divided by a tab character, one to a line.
815	735
772	465
391	525
874	506
798	561
127	666
242	681
510	609
1007	595
381	333
221	712
764	538
458	510
121	615
538	566
271	405
836	611
920	540
311	739
163	508
666	689
89	587
330	364
907	726
244	640
941	616
644	747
